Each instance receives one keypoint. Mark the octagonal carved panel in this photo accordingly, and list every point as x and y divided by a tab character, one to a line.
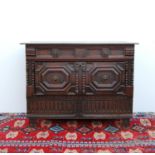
54	78
105	77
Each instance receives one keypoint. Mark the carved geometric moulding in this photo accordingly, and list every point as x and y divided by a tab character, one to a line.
106	78
53	79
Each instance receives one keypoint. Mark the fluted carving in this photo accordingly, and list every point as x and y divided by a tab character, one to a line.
129	73
116	104
52	105
30	67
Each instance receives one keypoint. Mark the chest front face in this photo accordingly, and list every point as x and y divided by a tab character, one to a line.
80	80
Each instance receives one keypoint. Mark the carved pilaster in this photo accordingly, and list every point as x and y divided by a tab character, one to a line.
76	67
129	73
30	72
126	74
33	74
30	66
83	67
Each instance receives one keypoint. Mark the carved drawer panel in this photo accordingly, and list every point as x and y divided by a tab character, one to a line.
55	78
83	53
52	105
78	106
106	105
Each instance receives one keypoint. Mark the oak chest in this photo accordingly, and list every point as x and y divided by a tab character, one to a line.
80	80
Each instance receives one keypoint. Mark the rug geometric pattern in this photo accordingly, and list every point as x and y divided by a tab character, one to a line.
83	136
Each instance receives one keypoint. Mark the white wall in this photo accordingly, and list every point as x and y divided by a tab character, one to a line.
75	20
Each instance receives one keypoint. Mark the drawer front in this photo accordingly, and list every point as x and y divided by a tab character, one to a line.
72	107
101	106
75	53
55	78
52	105
57	53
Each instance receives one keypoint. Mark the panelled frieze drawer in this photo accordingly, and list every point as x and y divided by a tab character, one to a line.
80	52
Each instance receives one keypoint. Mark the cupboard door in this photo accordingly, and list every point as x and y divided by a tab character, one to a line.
55	78
99	78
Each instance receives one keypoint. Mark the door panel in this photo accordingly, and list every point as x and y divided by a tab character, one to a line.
104	78
55	78
79	78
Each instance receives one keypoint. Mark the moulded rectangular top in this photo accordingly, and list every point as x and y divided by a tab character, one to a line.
80	43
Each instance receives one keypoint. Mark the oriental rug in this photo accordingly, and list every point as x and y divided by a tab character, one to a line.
82	136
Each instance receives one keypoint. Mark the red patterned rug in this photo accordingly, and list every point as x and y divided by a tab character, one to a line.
77	135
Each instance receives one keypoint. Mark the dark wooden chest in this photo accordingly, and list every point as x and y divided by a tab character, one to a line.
80	81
